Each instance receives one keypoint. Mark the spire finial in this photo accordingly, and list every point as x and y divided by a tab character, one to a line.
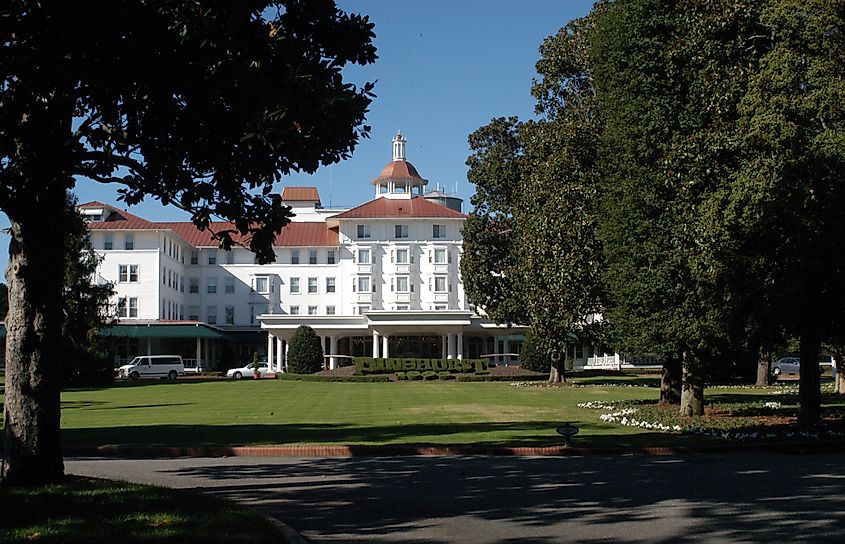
399	147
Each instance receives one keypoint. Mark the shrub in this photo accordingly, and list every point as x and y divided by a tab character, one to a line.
287	376
446	375
414	375
531	357
401	376
429	375
305	354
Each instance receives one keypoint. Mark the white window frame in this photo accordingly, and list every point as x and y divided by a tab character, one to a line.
294	256
211	285
438	231
443	252
331	257
108	242
364	256
400	288
129	241
193	312
312	310
193	286
294	286
401	232
312	256
406	252
294	310
229	285
229	315
331	285
211	316
445	282
266	281
363	232
312	286
212	257
330	310
362	282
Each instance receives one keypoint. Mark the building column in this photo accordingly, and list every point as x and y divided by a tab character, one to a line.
444	339
385	351
332	352
199	355
506	348
496	350
375	345
271	359
279	357
451	348
460	345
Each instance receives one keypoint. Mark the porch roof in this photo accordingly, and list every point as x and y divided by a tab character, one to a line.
168	330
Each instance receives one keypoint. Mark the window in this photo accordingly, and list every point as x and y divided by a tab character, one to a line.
364	284
212	256
312	285
121	307
195	256
439	256
363	309
262	284
363	256
181	284
211	315
294	285
312	256
330	257
402	256
230	257
312	310
294	256
402	284
108	242
364	232
193	285
294	310
330	285
402	308
229	285
401	231
127	273
438	231
133	307
230	315
211	285
193	313
330	310
439	284
439	307
129	241
164	276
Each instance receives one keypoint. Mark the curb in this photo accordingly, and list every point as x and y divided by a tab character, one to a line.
441	451
290	536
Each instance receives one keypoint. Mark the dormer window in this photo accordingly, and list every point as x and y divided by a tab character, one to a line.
401	231
364	232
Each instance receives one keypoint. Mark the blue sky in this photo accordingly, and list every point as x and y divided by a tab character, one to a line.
445	68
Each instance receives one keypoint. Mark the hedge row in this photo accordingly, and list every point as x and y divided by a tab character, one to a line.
370	365
317	378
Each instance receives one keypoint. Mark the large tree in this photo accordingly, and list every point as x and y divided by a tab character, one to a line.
531	253
202	105
793	177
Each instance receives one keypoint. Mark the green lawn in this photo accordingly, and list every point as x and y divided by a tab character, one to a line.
248	412
89	511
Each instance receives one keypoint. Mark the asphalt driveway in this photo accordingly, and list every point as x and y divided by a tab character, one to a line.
735	497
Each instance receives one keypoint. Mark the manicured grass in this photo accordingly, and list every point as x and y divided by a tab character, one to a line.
89	511
248	412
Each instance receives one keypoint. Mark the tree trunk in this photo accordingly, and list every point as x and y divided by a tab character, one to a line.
838	377
557	374
692	389
670	381
764	367
32	447
809	384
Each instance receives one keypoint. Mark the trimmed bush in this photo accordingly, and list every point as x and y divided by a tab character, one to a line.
429	375
531	357
446	375
414	375
305	354
400	376
287	376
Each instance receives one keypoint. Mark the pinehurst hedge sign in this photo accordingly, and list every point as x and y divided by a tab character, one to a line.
370	365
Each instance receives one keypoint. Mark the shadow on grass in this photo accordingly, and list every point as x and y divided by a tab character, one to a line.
511	434
93	511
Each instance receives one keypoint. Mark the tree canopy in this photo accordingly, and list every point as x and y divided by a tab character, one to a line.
202	105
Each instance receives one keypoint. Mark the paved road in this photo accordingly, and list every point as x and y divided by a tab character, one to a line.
743	497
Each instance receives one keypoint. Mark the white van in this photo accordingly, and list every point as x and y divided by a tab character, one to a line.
152	366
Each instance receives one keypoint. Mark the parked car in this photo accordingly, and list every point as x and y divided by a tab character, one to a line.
152	366
238	373
786	366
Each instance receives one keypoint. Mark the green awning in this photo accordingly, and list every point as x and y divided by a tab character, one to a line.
163	331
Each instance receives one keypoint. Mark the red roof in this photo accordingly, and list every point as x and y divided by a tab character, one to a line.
310	234
399	170
390	207
309	194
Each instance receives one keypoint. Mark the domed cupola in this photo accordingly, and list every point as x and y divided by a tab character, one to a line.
399	179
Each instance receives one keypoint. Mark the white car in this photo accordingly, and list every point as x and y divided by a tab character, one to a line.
249	371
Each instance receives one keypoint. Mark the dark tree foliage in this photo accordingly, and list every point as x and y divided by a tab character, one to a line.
86	308
305	352
202	105
531	356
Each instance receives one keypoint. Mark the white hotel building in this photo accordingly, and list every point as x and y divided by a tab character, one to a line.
381	279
